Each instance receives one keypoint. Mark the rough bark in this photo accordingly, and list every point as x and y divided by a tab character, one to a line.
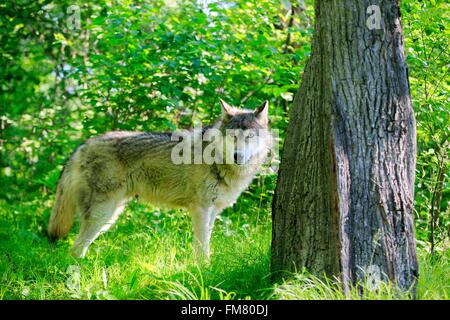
343	205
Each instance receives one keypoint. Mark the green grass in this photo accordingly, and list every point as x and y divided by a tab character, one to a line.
434	284
148	255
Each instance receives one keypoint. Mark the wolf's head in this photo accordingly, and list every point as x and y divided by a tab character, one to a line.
246	133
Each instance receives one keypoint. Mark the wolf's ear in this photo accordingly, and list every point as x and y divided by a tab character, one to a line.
227	110
262	113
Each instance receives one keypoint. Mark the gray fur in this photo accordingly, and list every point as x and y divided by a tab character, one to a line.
107	170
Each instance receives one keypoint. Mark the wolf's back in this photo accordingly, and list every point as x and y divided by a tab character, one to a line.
102	164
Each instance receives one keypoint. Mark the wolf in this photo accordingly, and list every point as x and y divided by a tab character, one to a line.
108	170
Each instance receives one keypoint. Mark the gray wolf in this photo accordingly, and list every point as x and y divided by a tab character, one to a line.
108	170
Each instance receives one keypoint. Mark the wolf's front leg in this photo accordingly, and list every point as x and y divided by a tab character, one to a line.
202	223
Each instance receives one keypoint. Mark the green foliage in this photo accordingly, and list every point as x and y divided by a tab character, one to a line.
427	41
133	66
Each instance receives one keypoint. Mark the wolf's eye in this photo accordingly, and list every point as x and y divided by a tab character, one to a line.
251	135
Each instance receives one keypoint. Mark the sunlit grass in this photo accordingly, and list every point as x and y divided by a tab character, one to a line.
434	281
305	286
148	255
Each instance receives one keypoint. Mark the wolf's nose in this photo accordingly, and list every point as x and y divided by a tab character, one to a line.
238	158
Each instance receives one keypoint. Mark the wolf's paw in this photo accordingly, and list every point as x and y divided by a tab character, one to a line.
202	257
78	252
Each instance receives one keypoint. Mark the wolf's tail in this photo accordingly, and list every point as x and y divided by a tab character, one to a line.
61	219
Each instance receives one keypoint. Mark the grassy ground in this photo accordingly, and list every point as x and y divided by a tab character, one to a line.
148	255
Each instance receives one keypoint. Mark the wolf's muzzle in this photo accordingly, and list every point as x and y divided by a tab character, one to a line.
239	158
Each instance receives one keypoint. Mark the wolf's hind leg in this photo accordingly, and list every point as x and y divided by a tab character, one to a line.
100	217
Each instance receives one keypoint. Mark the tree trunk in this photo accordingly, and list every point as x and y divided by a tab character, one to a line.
343	205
